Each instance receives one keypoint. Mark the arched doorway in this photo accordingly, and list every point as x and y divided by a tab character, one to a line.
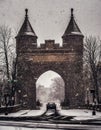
50	87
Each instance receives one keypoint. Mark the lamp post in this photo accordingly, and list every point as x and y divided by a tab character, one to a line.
94	103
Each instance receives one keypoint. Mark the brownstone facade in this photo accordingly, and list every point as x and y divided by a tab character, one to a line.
65	60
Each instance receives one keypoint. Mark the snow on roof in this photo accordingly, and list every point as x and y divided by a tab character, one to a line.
76	33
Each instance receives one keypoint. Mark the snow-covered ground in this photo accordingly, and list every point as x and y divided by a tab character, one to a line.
23	113
81	114
78	114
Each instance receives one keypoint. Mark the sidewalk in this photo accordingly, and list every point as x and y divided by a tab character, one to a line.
81	114
24	113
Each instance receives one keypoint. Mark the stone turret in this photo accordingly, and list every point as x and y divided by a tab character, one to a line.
73	42
26	43
72	37
26	37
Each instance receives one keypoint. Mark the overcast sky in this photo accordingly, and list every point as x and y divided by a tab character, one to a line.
49	18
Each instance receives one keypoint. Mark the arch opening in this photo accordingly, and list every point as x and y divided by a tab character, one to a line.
50	87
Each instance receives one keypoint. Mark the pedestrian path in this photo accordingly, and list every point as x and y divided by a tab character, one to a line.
81	114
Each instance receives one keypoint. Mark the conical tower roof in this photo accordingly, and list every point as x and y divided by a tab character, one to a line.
26	28
72	28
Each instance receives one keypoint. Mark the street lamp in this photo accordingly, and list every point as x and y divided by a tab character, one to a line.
94	103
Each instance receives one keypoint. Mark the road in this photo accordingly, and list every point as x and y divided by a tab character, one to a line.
8	125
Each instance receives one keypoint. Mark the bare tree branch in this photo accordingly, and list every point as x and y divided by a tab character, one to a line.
91	57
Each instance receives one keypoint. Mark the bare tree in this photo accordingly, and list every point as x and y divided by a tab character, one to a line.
91	56
7	54
6	49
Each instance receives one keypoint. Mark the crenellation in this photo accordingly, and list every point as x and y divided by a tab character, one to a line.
49	44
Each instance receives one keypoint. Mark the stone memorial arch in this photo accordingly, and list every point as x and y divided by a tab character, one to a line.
34	61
